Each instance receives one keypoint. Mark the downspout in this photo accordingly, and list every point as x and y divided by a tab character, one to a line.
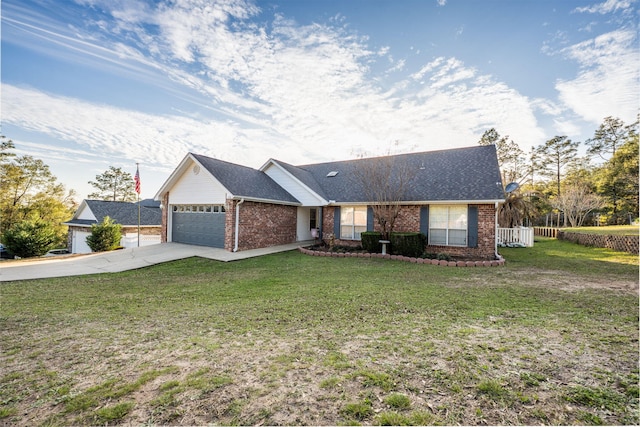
235	247
495	234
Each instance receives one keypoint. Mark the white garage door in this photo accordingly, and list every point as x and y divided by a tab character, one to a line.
79	243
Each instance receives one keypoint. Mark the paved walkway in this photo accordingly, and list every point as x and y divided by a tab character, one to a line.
122	260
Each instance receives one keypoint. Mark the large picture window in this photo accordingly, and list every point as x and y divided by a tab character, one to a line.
448	225
353	221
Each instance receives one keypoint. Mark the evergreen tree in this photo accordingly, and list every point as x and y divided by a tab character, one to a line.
30	238
105	236
114	185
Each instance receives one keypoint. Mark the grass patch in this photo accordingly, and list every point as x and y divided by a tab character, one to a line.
330	382
257	340
493	389
113	413
413	419
601	398
398	401
357	411
375	379
558	255
610	230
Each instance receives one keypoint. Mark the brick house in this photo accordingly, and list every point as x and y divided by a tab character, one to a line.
452	197
124	213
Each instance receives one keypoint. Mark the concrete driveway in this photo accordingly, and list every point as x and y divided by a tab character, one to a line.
122	260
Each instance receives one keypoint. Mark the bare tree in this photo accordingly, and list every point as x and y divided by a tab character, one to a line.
576	202
384	182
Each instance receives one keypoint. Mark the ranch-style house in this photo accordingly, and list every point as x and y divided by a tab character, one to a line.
451	196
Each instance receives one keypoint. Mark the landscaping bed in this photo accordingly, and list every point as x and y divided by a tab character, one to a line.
440	259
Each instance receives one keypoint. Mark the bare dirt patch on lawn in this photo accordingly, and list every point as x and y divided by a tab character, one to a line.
260	346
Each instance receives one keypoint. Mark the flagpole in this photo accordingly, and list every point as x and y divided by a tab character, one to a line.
138	191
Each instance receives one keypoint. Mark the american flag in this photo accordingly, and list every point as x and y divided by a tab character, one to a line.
137	180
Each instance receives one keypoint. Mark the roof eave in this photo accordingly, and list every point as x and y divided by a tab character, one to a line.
123	225
321	200
261	200
178	172
419	202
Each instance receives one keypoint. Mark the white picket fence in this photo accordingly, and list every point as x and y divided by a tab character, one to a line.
519	236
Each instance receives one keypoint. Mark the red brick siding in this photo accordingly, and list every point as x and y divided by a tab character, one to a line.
409	221
261	225
165	217
327	222
486	238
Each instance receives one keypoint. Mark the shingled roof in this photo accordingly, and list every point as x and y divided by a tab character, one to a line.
462	174
244	181
124	213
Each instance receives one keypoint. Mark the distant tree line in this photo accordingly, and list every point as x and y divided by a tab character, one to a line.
560	188
33	205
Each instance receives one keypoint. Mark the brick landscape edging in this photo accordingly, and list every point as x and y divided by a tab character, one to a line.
493	263
617	243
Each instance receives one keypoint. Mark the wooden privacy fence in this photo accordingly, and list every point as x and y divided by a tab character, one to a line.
518	236
545	231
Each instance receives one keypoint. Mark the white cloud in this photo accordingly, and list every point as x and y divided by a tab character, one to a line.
608	82
608	6
301	93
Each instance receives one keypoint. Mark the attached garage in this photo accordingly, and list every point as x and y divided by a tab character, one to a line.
198	225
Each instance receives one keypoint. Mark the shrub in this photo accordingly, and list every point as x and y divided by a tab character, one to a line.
371	241
408	244
105	236
443	257
30	238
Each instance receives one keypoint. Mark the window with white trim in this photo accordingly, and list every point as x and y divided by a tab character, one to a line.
353	221
448	225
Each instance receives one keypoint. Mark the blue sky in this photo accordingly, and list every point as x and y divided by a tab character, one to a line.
89	84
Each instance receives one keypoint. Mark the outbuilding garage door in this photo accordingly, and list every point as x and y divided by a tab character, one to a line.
79	244
198	225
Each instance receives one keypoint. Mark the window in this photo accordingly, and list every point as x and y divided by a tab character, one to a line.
448	225
199	209
353	221
313	218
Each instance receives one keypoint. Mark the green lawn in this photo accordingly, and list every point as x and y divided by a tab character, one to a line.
620	230
550	338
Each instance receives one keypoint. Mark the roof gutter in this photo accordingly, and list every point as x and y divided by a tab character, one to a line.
495	234
235	246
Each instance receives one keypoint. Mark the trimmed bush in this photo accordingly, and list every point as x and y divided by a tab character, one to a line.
370	241
105	236
408	244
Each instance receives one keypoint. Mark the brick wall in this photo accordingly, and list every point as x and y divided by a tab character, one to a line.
261	225
409	221
165	217
486	238
617	243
